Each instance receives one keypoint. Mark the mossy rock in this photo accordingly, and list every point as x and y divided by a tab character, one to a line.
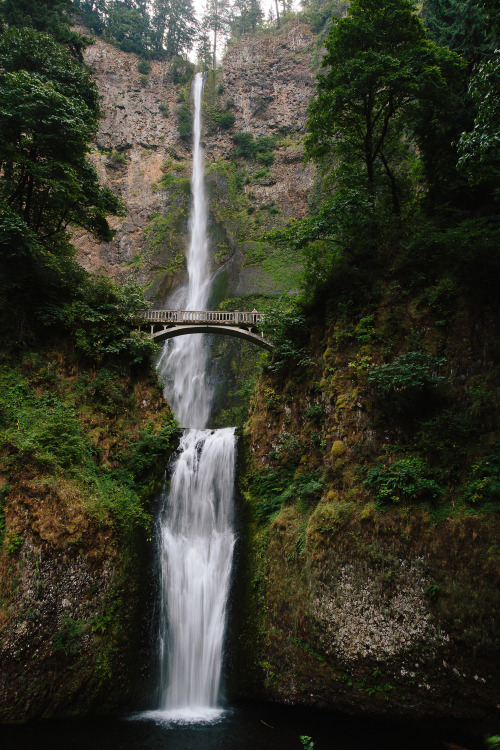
338	449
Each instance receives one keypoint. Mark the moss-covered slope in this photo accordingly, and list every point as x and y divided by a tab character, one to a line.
371	501
82	450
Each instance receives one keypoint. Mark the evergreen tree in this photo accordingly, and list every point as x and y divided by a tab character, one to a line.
174	26
217	19
128	26
204	50
247	15
459	25
92	14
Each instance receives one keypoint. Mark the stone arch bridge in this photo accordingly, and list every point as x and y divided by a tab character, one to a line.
166	324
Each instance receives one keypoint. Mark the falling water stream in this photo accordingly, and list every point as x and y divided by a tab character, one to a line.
196	535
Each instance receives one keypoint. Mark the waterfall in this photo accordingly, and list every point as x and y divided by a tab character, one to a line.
195	530
183	363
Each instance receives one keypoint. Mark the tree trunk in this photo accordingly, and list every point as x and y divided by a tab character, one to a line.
277	15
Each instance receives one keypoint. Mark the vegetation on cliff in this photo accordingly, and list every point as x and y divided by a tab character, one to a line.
84	430
372	479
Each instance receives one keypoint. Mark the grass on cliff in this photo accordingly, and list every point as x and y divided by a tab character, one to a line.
60	420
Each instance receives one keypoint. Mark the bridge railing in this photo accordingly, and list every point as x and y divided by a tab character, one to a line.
218	317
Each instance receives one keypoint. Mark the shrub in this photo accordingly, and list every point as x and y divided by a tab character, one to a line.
315	413
410	383
67	638
144	67
185	122
248	147
276	488
485	487
407	479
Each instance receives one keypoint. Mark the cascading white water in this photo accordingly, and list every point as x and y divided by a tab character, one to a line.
183	361
195	525
197	543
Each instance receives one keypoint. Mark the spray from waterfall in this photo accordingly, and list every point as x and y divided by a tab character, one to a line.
195	527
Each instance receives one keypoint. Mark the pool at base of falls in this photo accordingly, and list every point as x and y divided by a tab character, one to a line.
251	727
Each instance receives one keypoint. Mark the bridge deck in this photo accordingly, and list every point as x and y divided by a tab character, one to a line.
216	317
167	324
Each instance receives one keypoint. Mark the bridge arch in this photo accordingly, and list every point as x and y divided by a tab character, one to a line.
167	324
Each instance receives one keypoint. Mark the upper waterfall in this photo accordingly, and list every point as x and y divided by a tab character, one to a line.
184	361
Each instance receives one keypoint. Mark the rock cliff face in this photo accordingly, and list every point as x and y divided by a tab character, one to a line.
73	555
137	133
357	601
266	83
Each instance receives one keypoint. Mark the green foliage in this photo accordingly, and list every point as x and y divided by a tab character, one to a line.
41	429
48	115
259	149
286	326
104	321
128	27
182	71
412	372
407	480
410	384
459	25
315	413
479	149
144	67
149	450
307	742
485	486
379	64
68	637
319	13
185	122
275	488
53	17
492	742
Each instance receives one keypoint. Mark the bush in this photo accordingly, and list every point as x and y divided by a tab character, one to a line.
144	67
248	147
485	487
104	322
405	480
68	637
274	489
409	384
185	122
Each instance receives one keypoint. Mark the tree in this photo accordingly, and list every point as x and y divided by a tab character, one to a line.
50	16
204	50
217	19
49	110
379	64
128	26
459	25
174	26
92	14
246	16
479	149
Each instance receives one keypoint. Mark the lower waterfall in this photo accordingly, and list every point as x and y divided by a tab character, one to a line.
196	550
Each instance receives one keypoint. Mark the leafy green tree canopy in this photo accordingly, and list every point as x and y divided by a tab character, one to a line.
50	16
48	114
479	149
380	64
